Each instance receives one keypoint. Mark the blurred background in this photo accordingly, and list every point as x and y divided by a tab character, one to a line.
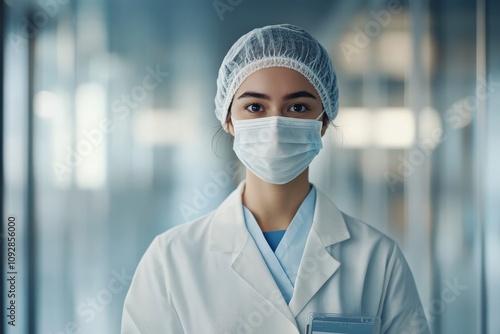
109	138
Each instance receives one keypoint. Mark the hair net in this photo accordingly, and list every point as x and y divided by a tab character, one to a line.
282	45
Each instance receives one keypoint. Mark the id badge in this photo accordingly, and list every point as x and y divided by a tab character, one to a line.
327	323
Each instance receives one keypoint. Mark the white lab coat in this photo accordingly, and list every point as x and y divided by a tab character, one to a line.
208	276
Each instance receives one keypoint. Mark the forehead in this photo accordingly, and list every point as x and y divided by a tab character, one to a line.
276	81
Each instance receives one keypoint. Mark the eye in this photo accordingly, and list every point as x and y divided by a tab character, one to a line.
299	107
254	107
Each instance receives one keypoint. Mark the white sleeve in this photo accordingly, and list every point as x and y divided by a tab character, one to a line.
148	306
402	310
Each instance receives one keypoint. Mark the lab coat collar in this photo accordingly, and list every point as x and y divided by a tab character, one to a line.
317	264
229	234
329	221
228	230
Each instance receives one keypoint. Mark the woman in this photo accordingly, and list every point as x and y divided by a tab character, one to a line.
276	249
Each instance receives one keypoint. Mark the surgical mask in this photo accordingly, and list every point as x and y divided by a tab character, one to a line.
276	148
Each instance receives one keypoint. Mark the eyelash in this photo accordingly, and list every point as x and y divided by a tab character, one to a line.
262	107
300	104
253	104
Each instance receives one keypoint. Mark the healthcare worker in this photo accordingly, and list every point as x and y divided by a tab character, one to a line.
277	249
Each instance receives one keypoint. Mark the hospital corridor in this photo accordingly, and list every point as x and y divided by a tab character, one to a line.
239	167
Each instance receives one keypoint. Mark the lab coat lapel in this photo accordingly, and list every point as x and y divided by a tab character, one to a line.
250	266
317	264
228	230
229	234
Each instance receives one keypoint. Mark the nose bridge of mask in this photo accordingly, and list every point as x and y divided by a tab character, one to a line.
277	128
234	120
277	121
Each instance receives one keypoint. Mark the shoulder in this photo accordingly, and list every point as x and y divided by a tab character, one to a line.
176	250
361	231
199	230
344	229
370	242
378	251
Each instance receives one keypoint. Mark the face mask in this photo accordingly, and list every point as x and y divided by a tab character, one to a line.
275	148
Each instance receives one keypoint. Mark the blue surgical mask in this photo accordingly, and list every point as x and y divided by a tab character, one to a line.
275	148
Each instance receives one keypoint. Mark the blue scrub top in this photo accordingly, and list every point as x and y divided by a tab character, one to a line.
273	238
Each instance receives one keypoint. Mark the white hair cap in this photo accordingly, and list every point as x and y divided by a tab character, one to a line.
282	45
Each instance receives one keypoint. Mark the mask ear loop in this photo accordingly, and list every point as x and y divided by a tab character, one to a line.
320	115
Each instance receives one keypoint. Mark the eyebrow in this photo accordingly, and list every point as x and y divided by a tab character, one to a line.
291	96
